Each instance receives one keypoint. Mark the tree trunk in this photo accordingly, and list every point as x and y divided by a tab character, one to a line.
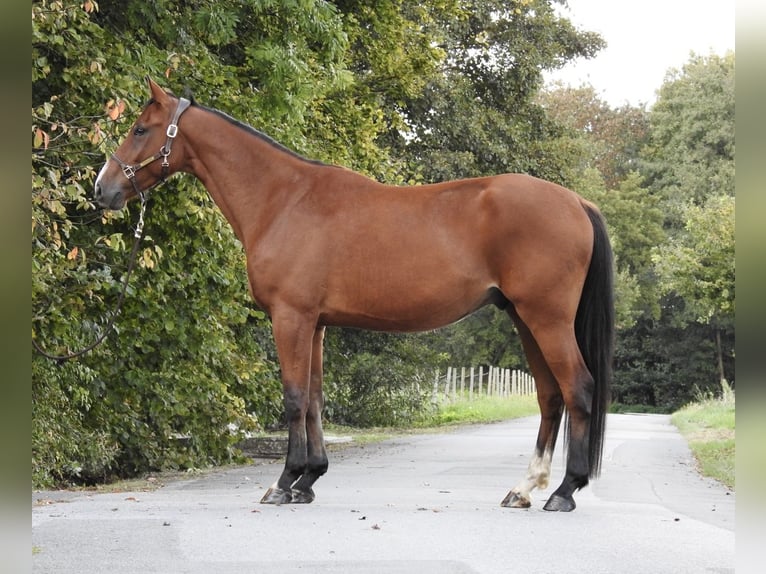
721	377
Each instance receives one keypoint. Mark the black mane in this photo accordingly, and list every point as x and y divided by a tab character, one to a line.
251	130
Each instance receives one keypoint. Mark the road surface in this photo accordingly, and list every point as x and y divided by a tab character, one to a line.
424	504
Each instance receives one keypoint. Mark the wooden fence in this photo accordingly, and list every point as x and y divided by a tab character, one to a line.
482	381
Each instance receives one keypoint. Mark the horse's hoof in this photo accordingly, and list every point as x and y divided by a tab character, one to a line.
302	496
515	500
277	496
558	503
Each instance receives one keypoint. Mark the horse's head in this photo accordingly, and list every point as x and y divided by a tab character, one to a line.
143	160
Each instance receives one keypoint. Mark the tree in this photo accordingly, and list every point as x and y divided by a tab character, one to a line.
698	265
611	138
664	364
690	153
480	117
690	161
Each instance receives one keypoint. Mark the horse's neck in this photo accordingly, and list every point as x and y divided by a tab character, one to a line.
248	178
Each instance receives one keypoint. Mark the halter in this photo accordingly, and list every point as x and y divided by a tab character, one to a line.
131	170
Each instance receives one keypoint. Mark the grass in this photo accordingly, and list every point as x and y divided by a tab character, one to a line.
483	410
708	425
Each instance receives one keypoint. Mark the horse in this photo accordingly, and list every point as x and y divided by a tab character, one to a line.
326	246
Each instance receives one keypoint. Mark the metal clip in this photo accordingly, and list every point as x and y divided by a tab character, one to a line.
172	131
140	225
165	152
129	171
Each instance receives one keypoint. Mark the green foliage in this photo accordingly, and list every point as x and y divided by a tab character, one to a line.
690	163
635	220
487	337
665	363
480	117
690	155
64	445
606	139
698	263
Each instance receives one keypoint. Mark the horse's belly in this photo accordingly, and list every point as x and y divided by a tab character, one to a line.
412	307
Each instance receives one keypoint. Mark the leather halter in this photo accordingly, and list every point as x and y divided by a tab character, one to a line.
130	170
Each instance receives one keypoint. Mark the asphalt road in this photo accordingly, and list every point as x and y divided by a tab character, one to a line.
426	504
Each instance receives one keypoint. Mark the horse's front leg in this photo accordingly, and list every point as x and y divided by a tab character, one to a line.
293	335
317	463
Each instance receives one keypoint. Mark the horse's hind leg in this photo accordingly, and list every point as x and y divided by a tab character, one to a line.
551	408
559	348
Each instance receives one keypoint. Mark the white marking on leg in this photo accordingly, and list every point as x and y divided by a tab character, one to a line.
540	469
538	475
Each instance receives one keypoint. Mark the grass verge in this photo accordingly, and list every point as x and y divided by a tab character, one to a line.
483	410
708	425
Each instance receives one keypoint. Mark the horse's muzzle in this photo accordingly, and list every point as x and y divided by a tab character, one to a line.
113	201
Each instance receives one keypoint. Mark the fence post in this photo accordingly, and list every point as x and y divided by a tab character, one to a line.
470	388
490	381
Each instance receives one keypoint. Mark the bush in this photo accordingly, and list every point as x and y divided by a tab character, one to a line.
64	449
376	379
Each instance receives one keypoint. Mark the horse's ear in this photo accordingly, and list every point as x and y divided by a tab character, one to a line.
158	94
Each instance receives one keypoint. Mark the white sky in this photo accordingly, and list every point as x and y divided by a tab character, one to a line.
645	39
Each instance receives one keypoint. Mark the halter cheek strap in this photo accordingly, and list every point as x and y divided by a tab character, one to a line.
130	170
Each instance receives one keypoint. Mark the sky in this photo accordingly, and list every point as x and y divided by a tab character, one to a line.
644	40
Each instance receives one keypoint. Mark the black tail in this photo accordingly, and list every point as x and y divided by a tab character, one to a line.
594	330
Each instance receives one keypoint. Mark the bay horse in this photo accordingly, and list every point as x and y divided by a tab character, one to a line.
326	246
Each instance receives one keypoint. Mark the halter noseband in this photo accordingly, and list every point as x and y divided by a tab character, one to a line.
130	170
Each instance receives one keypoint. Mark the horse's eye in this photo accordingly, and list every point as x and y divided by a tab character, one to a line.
139	131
